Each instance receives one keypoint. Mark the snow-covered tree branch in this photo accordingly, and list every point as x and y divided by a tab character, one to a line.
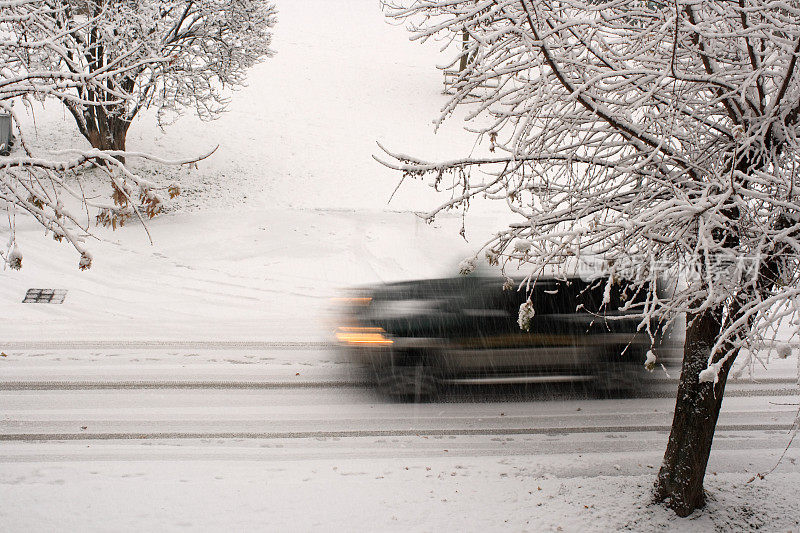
43	185
662	137
169	55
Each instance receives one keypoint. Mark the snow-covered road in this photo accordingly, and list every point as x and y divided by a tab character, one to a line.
271	438
58	411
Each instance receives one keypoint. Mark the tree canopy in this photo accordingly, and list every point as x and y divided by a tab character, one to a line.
169	55
658	136
43	185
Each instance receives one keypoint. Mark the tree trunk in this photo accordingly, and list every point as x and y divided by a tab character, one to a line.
464	53
107	132
680	479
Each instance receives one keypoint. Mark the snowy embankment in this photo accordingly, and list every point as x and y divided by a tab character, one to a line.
289	209
265	274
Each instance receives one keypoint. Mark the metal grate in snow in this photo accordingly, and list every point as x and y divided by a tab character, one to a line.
45	296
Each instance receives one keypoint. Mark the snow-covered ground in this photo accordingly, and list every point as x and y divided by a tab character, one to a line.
435	494
290	209
255	274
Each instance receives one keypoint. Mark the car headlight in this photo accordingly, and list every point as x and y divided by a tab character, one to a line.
362	335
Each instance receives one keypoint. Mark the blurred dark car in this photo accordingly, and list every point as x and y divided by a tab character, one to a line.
417	335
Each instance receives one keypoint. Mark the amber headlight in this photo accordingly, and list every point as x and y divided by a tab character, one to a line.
362	335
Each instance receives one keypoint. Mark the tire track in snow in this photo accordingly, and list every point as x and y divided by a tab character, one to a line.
177	385
371	433
166	345
659	390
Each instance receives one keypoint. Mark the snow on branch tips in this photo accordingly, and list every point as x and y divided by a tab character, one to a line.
42	188
36	62
169	55
616	129
662	138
